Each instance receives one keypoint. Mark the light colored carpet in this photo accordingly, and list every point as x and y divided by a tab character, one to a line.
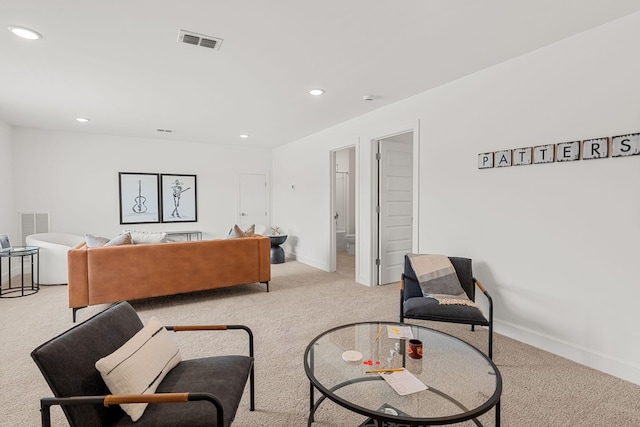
540	389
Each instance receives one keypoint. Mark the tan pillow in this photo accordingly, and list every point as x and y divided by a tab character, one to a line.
250	231
236	232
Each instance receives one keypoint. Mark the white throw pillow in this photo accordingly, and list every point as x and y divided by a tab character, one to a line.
95	241
122	239
147	237
140	365
98	242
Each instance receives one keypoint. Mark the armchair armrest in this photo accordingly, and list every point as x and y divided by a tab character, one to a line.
114	399
486	294
402	298
190	328
185	328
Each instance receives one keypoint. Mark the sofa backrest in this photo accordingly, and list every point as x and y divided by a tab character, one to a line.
129	272
67	361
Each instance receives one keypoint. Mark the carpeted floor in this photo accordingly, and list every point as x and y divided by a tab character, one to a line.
539	389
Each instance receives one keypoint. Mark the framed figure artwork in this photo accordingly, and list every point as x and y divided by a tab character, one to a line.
179	198
139	198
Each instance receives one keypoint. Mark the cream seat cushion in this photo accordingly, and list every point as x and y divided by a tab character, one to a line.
140	365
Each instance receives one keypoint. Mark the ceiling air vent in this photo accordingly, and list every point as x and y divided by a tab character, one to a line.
196	39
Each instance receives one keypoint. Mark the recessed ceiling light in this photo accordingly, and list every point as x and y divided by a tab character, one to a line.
25	33
316	92
244	136
82	119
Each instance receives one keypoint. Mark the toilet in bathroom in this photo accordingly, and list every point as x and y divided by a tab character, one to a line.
351	243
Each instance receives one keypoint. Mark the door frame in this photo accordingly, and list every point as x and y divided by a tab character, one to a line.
332	203
375	194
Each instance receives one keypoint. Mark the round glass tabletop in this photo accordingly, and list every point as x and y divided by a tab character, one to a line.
19	250
461	381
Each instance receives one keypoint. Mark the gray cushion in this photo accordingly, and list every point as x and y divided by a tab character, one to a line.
223	376
430	309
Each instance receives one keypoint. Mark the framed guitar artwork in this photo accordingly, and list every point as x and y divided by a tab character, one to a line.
139	197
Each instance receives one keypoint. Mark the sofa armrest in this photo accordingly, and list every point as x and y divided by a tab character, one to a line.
264	258
78	275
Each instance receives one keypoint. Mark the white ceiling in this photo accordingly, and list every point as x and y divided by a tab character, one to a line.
119	63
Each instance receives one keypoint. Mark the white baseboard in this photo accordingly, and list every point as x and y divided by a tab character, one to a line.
623	369
309	261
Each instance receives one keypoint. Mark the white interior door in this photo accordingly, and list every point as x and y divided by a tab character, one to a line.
253	200
396	208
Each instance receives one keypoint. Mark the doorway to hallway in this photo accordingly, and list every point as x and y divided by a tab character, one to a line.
343	202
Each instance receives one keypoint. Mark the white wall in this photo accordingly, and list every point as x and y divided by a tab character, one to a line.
7	217
556	245
74	177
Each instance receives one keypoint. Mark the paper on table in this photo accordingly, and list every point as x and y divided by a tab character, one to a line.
399	332
403	382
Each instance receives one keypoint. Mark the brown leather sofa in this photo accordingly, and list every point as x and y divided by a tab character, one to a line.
130	272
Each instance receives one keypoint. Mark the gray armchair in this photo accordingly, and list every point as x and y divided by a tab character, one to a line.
413	305
209	389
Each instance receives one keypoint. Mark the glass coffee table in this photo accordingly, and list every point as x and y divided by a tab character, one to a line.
462	382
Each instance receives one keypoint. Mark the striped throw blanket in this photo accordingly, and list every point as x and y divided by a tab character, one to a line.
438	279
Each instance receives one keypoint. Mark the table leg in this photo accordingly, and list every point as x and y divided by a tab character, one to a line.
9	272
310	401
33	287
37	268
22	271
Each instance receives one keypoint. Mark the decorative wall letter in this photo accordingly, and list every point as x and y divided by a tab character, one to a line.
522	156
503	158
626	145
485	160
595	148
568	151
544	153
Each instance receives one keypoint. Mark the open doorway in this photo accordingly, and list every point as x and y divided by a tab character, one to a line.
344	215
394	207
